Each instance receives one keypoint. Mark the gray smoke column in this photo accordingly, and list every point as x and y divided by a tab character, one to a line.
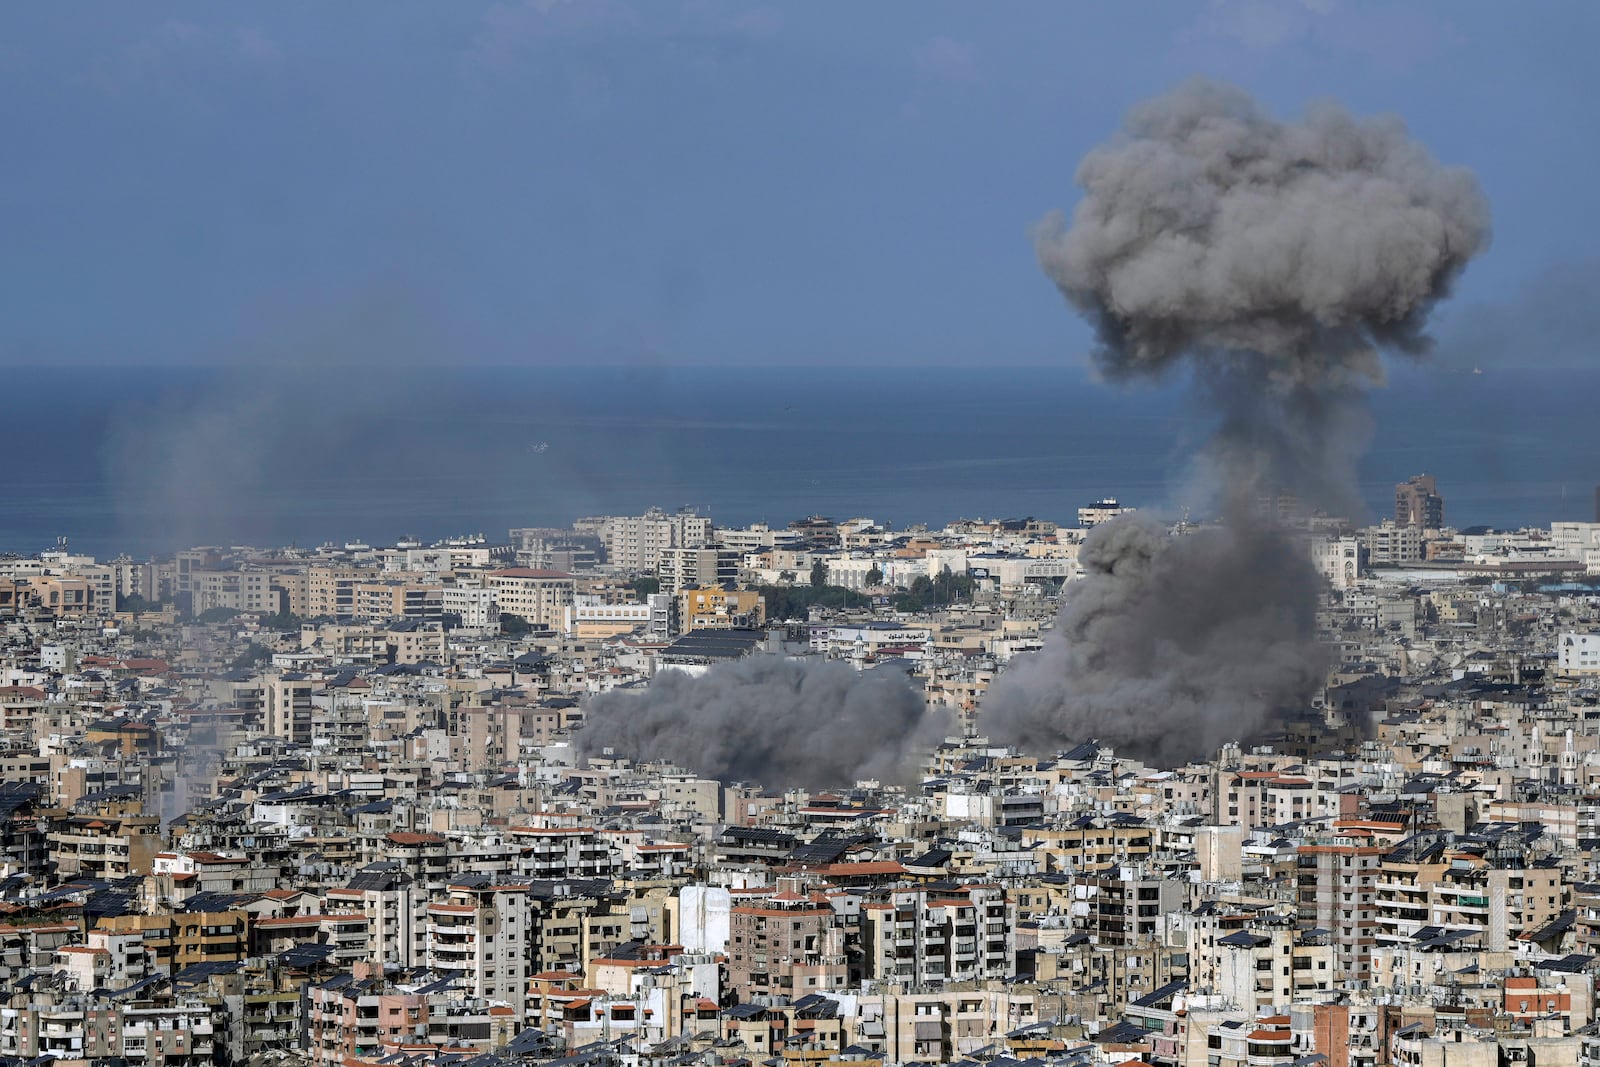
778	721
1170	645
1274	261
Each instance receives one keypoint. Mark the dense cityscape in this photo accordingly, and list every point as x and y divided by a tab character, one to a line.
1264	731
333	806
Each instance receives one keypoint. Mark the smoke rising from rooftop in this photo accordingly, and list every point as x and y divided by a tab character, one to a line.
1275	261
1170	645
778	721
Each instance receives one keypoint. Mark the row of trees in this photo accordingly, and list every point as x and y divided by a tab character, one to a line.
944	589
788	602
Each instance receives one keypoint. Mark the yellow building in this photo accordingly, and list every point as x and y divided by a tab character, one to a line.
715	608
56	594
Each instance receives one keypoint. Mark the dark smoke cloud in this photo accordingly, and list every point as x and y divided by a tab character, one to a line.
1170	645
1209	230
1274	261
769	719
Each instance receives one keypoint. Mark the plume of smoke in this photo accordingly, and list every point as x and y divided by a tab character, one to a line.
1210	231
1170	644
236	454
779	721
193	774
1275	261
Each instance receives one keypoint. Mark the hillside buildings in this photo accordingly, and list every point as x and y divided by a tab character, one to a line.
323	806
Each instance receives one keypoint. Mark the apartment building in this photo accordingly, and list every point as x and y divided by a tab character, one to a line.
1263	966
396	912
538	596
476	608
687	568
53	594
935	935
105	847
563	852
1335	886
394	599
1090	843
182	1035
719	608
786	945
1578	654
330	590
497	934
286	700
943	1025
1390	544
590	617
1125	906
634	543
237	590
1417	503
350	1019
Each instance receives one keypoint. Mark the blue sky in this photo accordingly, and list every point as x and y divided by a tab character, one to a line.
687	182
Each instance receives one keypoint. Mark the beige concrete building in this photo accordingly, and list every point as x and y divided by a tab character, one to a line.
541	597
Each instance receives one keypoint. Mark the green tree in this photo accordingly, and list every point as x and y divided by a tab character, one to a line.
819	575
513	625
937	592
286	620
874	576
218	614
794	602
646	586
253	656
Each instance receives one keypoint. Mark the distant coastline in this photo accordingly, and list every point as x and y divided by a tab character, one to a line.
147	459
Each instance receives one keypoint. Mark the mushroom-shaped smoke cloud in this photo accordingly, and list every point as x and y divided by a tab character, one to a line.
1275	260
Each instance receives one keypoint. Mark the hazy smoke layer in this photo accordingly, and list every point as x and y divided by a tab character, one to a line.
1275	260
769	719
1170	645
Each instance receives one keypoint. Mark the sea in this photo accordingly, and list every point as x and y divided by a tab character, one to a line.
144	460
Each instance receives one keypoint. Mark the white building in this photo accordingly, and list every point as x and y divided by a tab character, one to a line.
1578	653
1013	572
539	596
1338	559
867	639
1577	541
851	572
635	542
757	537
478	608
587	612
1101	511
1390	545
